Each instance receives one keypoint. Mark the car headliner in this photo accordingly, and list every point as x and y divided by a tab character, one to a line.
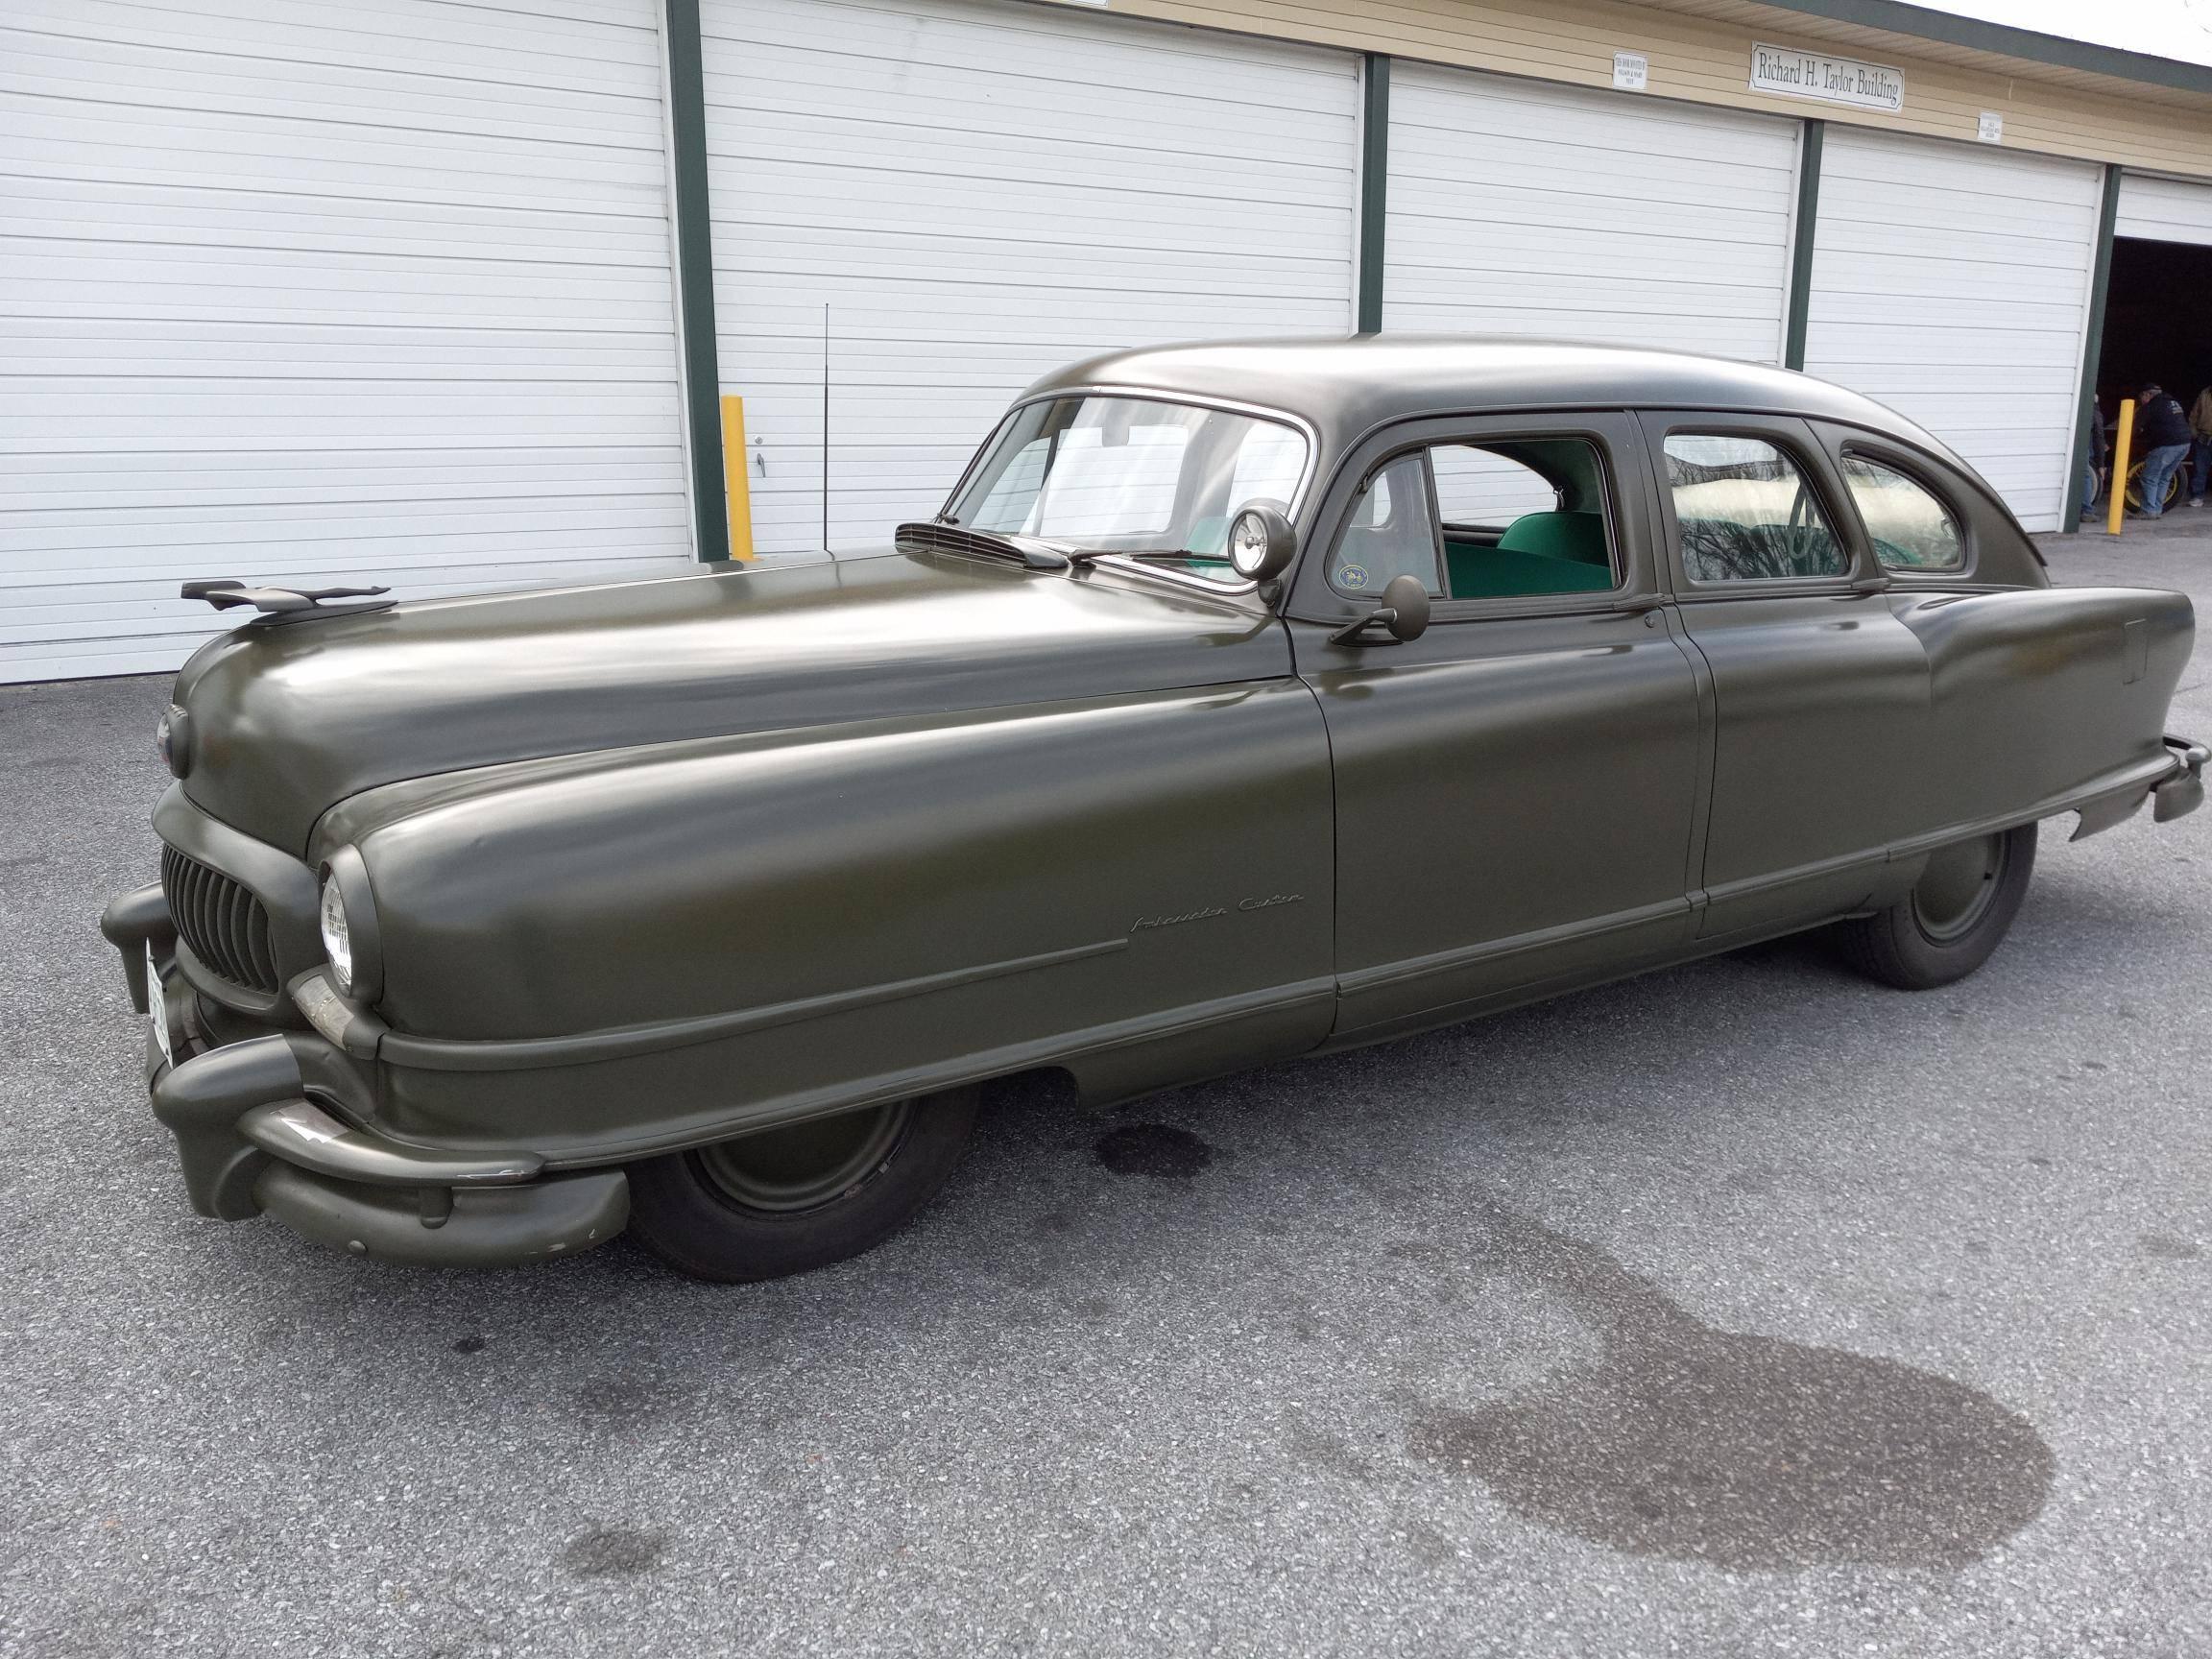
1347	386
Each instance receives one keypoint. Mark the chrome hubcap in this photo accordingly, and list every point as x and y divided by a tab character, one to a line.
804	1166
1958	886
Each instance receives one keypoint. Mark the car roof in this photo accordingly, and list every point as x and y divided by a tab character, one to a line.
1346	385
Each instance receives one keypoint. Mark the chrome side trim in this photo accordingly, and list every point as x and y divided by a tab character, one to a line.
976	1068
620	1042
1471	955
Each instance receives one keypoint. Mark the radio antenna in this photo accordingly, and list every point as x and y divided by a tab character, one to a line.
825	426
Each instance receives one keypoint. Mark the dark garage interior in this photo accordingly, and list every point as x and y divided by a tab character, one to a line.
2156	325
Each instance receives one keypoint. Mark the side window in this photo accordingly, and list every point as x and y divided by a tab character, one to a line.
1912	529
1391	532
1524	517
1746	511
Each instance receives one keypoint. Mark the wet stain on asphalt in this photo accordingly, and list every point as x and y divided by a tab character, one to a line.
1756	1182
1153	1149
2168	1248
468	1345
613	1552
1750	1452
1326	1454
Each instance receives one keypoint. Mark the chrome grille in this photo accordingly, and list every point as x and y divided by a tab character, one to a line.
223	923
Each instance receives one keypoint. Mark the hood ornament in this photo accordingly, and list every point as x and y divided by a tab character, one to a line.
285	604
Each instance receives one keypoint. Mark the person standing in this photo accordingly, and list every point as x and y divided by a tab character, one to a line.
2200	465
2162	430
2100	458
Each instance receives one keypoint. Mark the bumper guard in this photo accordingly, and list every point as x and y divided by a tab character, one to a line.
251	1138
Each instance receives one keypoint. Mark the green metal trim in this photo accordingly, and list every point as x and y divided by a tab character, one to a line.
1373	186
2100	285
1814	133
695	280
2006	39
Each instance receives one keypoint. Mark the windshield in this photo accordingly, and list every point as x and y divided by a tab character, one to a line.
1133	475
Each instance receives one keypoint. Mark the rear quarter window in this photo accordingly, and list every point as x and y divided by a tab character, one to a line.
1911	526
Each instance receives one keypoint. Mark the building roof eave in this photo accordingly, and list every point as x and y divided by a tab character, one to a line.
1897	17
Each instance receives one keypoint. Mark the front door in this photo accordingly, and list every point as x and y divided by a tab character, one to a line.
1517	789
1819	692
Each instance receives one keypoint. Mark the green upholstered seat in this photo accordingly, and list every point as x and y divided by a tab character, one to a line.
1577	535
1539	553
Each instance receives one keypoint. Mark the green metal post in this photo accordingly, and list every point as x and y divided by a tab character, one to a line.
2100	283
1814	133
1374	188
695	279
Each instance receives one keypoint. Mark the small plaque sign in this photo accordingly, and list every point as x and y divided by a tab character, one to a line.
1632	71
1798	74
1991	128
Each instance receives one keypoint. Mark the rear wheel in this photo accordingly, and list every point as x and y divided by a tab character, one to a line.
1957	914
787	1200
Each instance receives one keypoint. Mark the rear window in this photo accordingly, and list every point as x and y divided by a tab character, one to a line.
1746	511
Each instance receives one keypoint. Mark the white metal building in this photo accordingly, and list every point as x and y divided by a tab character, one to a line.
397	291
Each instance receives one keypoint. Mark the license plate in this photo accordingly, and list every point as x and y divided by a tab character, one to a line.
157	1005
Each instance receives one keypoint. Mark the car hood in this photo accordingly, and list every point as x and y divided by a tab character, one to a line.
288	720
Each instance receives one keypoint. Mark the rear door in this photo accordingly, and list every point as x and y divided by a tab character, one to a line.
1821	695
1517	788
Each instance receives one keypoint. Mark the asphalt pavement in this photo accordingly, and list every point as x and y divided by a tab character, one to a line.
1747	1309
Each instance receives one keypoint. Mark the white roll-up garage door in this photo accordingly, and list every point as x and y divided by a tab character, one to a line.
980	193
2164	209
1951	282
1523	209
319	294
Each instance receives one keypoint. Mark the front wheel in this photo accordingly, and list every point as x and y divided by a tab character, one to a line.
1957	914
788	1200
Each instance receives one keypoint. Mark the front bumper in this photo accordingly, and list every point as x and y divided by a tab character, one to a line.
259	1132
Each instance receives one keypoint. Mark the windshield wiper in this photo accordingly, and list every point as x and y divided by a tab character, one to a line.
1180	556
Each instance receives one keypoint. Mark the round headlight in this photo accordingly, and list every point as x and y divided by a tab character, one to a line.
348	916
1262	542
337	934
173	740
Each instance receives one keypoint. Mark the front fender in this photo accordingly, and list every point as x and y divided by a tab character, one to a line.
732	923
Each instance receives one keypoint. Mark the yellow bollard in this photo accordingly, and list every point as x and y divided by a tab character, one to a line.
736	487
2119	448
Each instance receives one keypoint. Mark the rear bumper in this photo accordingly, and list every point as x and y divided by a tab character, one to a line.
258	1132
2182	792
2173	791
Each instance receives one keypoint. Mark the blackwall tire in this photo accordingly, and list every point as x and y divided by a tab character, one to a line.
1952	921
789	1201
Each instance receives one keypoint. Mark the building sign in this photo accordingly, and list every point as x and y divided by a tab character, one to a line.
1833	80
1991	128
1632	71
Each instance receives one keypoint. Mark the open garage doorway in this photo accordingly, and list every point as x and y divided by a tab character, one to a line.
2157	326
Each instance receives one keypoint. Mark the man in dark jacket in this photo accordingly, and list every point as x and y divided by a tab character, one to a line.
2162	433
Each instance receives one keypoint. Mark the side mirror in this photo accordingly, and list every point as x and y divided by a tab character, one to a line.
1404	608
1404	613
1262	542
